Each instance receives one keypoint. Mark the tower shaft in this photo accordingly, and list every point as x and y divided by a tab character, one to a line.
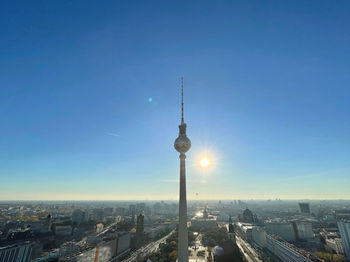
182	144
183	231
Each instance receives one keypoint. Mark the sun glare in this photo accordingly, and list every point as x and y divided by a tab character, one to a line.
204	162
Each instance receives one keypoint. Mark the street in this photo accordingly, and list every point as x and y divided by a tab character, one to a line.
148	249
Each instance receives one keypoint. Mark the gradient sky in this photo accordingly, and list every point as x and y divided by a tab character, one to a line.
90	99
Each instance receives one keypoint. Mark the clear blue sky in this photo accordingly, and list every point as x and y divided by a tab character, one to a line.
266	98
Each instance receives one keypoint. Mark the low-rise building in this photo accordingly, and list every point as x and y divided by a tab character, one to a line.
259	237
245	230
204	220
335	244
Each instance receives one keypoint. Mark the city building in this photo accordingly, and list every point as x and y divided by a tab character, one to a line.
140	225
108	211
139	230
245	230
342	214
204	221
303	230
21	252
155	231
344	230
78	216
282	229
99	227
304	208
102	252
97	214
259	237
247	217
182	144
140	207
229	251
120	211
335	245
111	247
230	226
132	210
286	251
332	240
63	230
123	244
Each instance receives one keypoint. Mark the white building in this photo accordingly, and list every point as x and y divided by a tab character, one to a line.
245	230
344	230
204	220
335	244
286	251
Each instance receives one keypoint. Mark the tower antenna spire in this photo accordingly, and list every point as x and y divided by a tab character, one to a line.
182	100
182	144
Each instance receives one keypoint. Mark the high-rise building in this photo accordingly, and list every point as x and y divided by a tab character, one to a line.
78	216
284	230
140	225
304	208
97	214
303	230
139	230
17	252
120	211
344	230
182	145
132	210
230	226
140	207
108	211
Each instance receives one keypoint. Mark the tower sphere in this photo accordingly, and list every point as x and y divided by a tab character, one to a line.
182	144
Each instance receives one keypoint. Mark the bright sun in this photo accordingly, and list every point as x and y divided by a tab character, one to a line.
204	162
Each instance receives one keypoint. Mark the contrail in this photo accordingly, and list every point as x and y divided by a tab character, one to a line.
112	134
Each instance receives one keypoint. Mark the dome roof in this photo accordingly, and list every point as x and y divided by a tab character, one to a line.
247	212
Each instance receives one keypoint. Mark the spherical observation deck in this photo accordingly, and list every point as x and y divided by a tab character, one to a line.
182	144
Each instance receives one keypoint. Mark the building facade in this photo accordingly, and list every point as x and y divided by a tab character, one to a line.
286	251
344	230
304	208
17	252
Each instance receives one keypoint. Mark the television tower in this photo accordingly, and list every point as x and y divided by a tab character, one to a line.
182	145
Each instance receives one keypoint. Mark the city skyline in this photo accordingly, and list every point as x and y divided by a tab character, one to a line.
89	99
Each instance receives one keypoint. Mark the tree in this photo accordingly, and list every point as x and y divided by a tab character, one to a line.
215	236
